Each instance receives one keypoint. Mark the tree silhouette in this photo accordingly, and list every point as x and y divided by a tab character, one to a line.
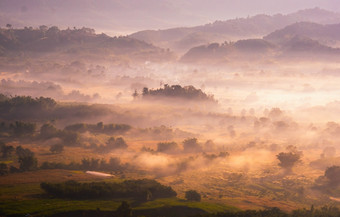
124	210
192	195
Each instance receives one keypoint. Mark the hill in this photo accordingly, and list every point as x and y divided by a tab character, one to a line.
297	48
76	42
325	34
230	30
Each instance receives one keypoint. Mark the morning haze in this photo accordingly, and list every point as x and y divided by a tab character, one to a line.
169	108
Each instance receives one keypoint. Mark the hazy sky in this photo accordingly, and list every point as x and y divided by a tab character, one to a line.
127	16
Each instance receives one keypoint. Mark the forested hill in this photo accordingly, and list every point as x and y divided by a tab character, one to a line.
75	41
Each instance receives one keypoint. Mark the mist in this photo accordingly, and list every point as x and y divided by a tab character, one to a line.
243	112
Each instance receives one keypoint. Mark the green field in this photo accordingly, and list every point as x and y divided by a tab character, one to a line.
29	198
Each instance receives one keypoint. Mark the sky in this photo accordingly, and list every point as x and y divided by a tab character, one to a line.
127	16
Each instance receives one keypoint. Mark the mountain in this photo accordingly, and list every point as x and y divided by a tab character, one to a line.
325	34
74	42
295	48
230	30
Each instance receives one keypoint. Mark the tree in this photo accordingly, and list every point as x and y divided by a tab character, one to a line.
3	169
23	152
6	150
192	195
191	145
23	129
28	163
124	210
70	138
333	175
289	159
167	147
57	148
26	159
48	131
135	94
9	26
209	145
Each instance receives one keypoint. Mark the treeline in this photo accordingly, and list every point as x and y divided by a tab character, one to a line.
142	189
70	135
99	128
17	129
26	159
27	162
176	91
190	145
113	164
44	108
23	107
326	211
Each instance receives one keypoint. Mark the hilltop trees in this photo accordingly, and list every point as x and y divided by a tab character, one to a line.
177	91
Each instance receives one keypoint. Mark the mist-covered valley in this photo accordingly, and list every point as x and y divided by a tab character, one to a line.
246	120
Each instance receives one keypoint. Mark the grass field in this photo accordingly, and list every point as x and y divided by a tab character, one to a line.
21	194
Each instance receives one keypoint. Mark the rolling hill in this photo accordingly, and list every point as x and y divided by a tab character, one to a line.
75	42
181	39
325	34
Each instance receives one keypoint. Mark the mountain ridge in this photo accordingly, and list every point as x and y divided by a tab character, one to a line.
229	30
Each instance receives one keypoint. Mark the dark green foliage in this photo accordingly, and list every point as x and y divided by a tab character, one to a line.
192	195
57	148
333	175
191	145
167	147
124	210
137	189
177	91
